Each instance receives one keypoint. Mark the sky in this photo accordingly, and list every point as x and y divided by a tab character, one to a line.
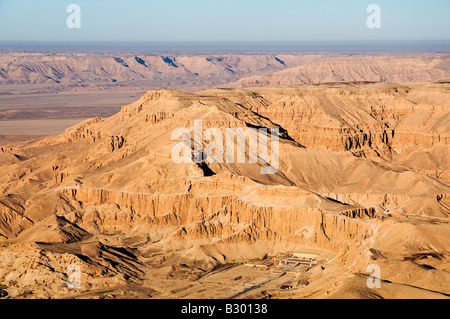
226	20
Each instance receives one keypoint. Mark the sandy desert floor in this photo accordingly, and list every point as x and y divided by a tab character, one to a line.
26	116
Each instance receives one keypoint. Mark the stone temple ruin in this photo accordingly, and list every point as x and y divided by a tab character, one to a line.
294	262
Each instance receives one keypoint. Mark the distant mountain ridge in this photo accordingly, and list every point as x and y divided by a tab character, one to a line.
357	69
202	71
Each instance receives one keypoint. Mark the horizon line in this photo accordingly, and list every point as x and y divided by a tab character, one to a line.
335	46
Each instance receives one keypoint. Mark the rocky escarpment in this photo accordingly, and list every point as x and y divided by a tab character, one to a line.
148	70
386	121
227	218
83	131
357	68
115	71
345	182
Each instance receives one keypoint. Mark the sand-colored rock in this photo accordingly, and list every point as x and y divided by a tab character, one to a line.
348	187
358	68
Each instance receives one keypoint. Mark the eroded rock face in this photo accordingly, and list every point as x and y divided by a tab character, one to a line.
106	70
379	120
357	68
347	179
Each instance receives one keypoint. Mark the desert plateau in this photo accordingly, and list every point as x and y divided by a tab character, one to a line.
224	159
362	183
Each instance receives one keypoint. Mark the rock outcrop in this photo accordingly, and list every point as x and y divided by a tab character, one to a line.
346	182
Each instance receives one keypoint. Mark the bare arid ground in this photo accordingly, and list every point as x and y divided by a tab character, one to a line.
27	116
363	181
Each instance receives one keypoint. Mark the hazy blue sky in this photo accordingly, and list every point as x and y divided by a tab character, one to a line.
227	20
